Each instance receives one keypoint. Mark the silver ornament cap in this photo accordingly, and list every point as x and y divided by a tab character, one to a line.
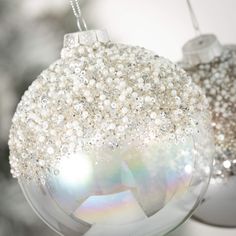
85	38
202	49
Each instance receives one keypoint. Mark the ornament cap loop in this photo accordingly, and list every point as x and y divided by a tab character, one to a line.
85	38
202	49
81	23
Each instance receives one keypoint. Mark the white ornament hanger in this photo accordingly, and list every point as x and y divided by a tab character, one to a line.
82	25
194	19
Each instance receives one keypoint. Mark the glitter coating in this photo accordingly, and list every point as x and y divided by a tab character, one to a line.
112	140
218	81
101	97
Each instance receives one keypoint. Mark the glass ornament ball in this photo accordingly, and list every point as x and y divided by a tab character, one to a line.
212	66
112	140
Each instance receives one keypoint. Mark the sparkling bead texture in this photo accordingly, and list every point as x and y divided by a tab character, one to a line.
217	78
113	140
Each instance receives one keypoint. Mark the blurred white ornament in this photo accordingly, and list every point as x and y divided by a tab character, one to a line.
112	140
7	105
37	9
213	67
16	216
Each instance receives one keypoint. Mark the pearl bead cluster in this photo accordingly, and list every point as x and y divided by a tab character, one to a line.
103	96
218	80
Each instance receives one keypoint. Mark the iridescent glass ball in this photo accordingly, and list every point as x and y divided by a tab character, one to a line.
112	140
212	66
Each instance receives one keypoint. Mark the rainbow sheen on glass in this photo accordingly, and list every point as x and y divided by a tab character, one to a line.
112	140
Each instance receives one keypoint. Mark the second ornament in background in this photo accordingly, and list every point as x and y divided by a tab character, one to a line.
213	67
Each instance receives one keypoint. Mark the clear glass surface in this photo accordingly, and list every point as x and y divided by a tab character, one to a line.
130	191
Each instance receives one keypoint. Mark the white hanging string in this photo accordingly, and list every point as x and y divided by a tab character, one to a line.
195	22
82	26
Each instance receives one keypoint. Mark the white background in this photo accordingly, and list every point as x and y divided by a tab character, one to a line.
164	26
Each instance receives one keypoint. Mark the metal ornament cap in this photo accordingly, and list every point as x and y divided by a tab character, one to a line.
202	49
85	38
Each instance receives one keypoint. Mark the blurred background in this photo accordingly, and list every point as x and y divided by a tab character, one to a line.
31	36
